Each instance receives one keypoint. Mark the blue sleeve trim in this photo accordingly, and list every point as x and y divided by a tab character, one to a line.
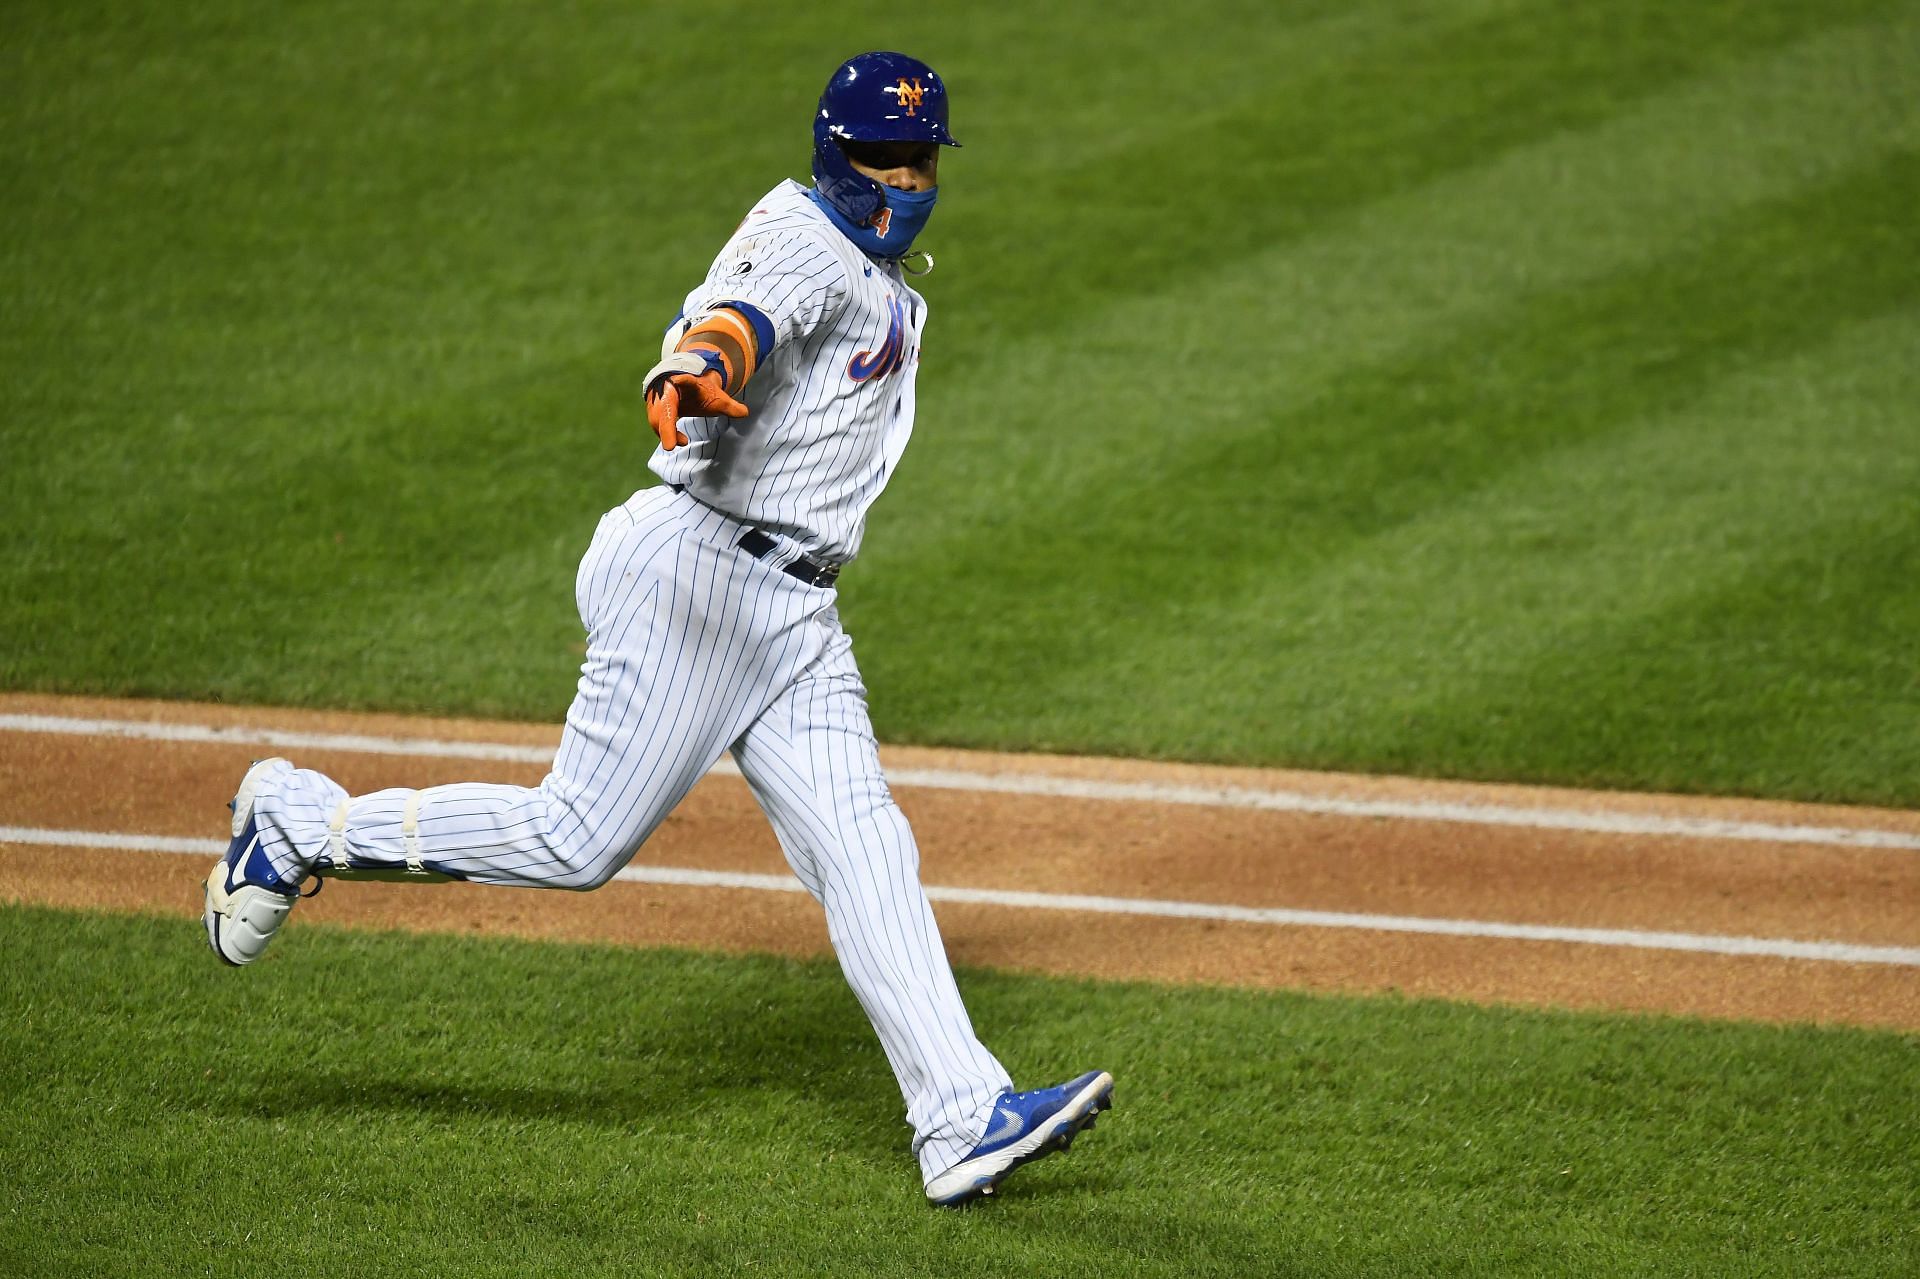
762	326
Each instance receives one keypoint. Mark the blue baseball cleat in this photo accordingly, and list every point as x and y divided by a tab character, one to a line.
246	900
1025	1126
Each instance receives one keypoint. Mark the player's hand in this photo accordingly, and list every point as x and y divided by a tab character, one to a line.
681	395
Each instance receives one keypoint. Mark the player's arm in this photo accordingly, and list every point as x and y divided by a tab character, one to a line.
707	370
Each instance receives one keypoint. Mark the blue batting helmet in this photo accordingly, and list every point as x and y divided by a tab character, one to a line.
873	97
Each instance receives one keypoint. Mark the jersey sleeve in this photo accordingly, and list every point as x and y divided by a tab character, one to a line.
784	280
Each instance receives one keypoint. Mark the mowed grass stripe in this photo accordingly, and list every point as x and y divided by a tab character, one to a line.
1198	191
1355	305
1408	439
1782	529
1350	317
1449	250
1789	484
1380	268
443	1106
1272	51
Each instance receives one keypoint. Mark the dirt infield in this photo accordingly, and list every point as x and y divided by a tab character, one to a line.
1639	894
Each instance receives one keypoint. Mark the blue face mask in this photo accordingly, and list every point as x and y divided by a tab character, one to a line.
906	213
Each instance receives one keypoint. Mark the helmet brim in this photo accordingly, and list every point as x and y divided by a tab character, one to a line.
895	128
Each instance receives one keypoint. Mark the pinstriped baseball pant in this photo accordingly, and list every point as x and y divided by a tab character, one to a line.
695	647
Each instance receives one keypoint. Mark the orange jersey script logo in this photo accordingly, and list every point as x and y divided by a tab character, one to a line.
909	92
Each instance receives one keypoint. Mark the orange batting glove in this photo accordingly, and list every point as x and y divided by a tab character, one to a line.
673	395
709	365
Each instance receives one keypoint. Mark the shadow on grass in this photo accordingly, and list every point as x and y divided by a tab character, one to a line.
739	1043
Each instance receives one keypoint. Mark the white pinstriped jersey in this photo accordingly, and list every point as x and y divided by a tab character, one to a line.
831	404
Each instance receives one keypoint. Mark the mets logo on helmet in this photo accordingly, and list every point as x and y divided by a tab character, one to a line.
891	354
909	93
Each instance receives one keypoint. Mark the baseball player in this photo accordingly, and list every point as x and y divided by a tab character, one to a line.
782	401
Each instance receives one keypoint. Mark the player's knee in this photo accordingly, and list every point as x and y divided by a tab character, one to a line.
581	867
885	826
879	846
581	851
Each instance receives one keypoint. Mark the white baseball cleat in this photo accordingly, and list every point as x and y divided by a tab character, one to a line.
247	900
1025	1126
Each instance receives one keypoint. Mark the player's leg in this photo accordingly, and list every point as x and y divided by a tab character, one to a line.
812	763
688	638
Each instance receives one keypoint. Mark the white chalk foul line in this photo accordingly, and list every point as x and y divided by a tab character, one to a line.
213	734
108	839
1033	784
1410	810
1701	943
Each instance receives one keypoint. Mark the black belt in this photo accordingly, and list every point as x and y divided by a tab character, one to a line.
810	571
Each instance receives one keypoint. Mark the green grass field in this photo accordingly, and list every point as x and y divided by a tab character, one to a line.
392	1105
1488	388
1478	390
